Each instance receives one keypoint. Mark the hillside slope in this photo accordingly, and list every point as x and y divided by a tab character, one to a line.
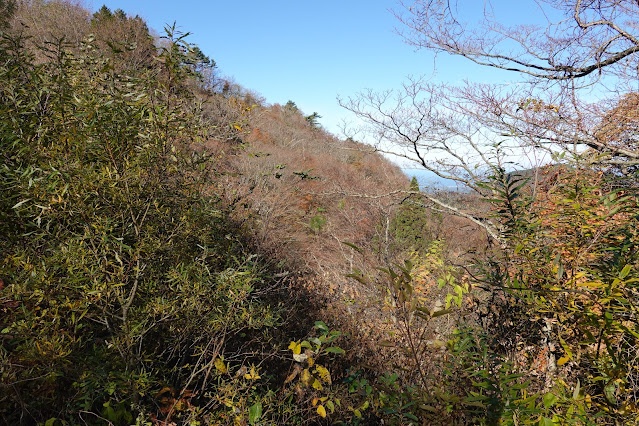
164	235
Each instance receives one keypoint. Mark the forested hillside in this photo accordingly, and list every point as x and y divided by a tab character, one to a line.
176	250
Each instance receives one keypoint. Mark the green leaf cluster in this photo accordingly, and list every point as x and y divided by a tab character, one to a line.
411	224
120	271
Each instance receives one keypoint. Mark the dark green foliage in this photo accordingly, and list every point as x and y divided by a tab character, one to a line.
410	224
510	200
104	13
569	264
291	106
127	38
128	294
313	120
200	59
552	336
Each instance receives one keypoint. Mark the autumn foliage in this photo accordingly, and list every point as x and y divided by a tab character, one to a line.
174	250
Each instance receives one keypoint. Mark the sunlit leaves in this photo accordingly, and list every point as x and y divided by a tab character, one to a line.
252	374
573	258
124	271
321	411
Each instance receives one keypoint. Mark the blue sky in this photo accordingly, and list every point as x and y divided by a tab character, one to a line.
308	52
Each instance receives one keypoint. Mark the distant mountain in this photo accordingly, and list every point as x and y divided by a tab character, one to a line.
430	181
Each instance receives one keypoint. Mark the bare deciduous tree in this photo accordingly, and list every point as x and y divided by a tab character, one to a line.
51	21
583	43
580	38
572	78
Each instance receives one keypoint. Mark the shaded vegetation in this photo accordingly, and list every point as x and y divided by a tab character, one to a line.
175	250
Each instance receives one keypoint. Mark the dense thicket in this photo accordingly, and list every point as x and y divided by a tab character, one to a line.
172	249
553	335
140	278
116	272
124	282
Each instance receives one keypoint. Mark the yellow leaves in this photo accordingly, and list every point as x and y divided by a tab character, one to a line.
320	408
625	271
220	365
323	374
297	352
588	401
309	373
252	374
593	285
306	377
314	375
55	199
295	347
316	400
561	361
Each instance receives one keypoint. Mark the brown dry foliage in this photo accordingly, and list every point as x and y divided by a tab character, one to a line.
51	21
289	173
303	193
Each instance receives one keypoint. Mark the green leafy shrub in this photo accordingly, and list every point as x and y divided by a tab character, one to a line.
317	223
120	276
411	223
419	295
570	265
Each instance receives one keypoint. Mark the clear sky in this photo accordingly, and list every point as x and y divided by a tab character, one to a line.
311	52
307	52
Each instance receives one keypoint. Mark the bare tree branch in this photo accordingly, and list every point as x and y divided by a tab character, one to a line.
584	38
466	133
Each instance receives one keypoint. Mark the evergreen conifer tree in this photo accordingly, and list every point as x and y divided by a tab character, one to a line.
410	225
